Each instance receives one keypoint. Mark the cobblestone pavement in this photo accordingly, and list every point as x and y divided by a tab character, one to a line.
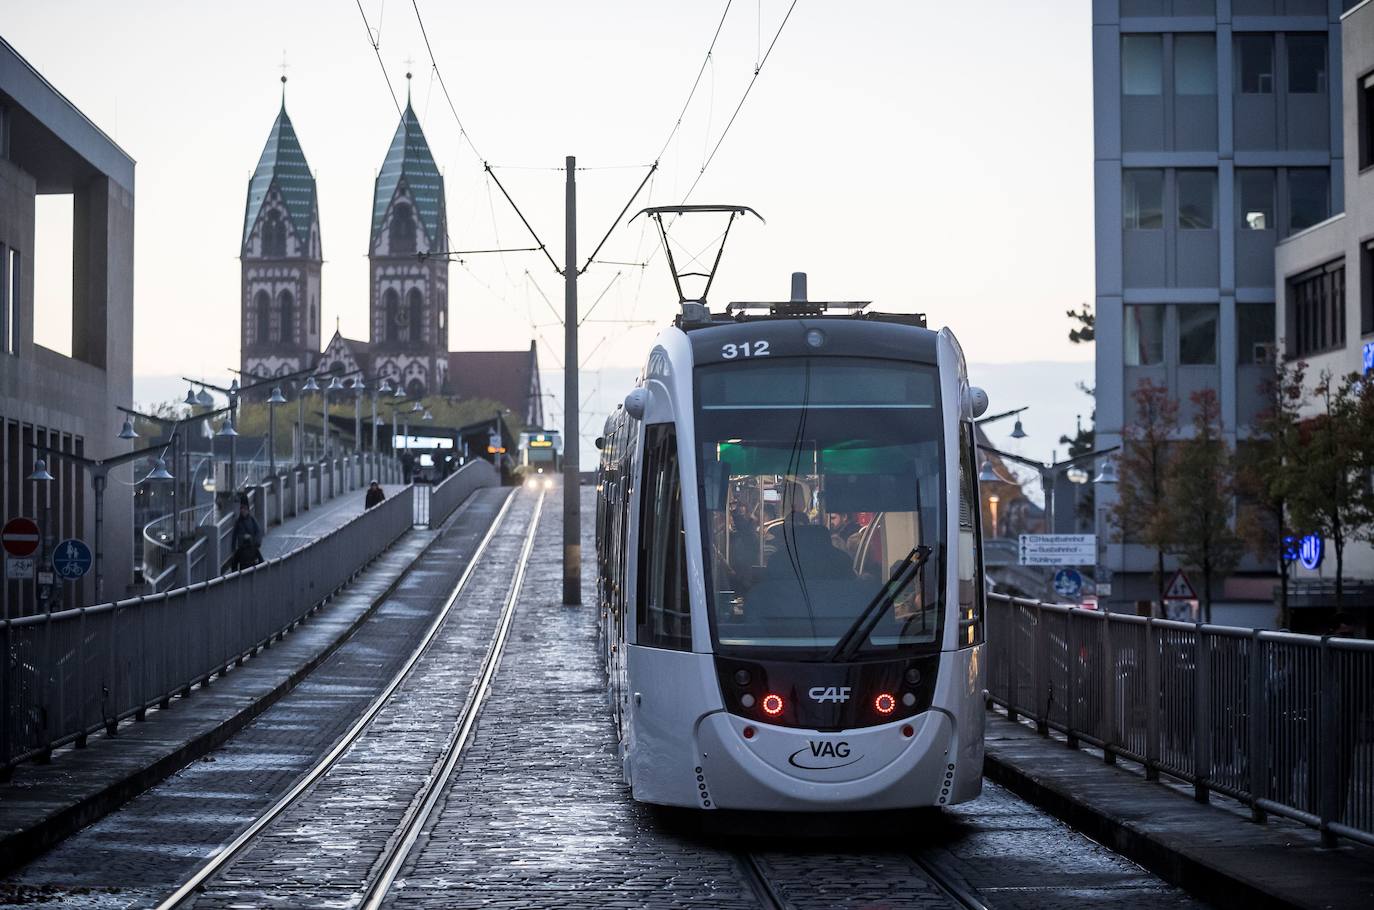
134	857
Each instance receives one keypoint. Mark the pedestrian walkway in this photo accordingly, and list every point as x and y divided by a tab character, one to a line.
1214	850
296	532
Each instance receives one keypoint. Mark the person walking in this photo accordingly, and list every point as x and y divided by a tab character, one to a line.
374	494
247	539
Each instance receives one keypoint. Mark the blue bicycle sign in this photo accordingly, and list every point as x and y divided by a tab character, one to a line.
71	559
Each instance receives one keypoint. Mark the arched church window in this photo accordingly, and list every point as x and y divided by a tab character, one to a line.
391	307
286	308
402	229
262	310
314	315
415	303
274	235
415	388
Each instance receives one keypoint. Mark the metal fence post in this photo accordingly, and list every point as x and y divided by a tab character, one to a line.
1152	696
1109	738
1073	663
1013	668
6	695
1328	785
1258	741
1202	702
1042	675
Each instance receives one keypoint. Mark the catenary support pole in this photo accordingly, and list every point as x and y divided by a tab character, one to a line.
572	511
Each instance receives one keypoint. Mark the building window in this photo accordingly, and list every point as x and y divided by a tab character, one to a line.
16	306
1308	197
274	236
1142	200
1142	65
391	309
402	230
4	290
1255	62
1365	113
1367	288
1316	310
1254	333
262	311
1144	335
1197	334
286	322
1306	64
1197	200
663	615
1255	188
1195	65
415	302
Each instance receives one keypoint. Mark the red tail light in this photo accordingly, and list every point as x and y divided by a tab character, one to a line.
885	703
772	704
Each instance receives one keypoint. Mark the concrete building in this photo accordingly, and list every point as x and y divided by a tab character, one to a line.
1325	281
1217	133
47	146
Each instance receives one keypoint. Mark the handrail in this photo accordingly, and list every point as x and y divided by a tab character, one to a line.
1273	719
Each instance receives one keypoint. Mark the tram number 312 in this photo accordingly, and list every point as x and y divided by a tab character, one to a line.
748	349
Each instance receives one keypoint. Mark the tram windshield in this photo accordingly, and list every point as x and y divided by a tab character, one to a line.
821	496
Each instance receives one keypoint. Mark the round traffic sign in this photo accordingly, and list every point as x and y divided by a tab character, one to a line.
20	536
1068	582
71	559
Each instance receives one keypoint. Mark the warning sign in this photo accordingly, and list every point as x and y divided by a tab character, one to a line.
1179	588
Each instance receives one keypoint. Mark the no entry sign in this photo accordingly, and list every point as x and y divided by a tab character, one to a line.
20	537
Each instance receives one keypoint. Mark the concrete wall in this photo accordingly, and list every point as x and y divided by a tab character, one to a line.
45	397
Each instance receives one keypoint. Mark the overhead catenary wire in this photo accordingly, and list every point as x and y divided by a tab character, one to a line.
462	130
375	39
677	125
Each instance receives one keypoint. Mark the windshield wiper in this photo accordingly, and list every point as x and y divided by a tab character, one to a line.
868	617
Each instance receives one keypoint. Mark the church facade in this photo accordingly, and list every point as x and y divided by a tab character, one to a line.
408	299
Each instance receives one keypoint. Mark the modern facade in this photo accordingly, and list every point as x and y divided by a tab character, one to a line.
408	303
66	403
1217	133
1325	276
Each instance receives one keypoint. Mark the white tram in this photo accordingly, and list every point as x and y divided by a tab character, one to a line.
790	565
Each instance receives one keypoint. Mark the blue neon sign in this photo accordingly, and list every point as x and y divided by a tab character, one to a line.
1368	352
1310	551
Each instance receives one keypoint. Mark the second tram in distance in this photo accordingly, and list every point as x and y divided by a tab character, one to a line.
790	565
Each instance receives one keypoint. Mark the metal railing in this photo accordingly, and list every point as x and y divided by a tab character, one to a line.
66	675
446	496
1282	722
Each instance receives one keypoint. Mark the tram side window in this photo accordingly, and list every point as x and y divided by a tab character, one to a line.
663	612
970	553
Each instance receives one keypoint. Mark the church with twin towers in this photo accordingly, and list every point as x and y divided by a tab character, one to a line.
408	290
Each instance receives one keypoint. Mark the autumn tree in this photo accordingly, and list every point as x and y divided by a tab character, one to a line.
1199	491
1265	464
1328	490
1141	508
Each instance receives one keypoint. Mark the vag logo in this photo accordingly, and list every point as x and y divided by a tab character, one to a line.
835	694
823	755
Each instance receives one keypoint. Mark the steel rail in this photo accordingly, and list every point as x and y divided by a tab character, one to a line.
955	888
411	826
759	882
234	848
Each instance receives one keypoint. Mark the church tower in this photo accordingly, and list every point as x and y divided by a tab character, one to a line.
409	293
280	258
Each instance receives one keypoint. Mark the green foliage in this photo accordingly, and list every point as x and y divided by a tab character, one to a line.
1199	491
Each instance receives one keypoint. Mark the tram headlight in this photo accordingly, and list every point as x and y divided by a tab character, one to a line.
772	704
885	703
548	483
531	484
815	337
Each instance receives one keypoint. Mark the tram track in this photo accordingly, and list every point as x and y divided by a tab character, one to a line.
775	892
371	891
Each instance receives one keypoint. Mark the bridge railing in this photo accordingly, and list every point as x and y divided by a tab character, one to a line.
446	496
1281	722
66	675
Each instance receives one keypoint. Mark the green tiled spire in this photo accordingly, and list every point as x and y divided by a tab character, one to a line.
409	160
284	163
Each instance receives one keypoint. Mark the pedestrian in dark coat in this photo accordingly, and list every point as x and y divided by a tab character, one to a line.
247	539
374	494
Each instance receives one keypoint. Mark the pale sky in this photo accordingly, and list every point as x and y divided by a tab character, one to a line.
930	156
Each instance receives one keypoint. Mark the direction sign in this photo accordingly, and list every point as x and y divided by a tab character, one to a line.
1057	549
1180	588
20	536
1068	583
71	559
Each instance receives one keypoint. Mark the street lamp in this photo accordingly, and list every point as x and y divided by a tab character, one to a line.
1017	431
1107	473
310	385
99	470
227	430
127	431
175	443
273	400
1046	472
334	386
